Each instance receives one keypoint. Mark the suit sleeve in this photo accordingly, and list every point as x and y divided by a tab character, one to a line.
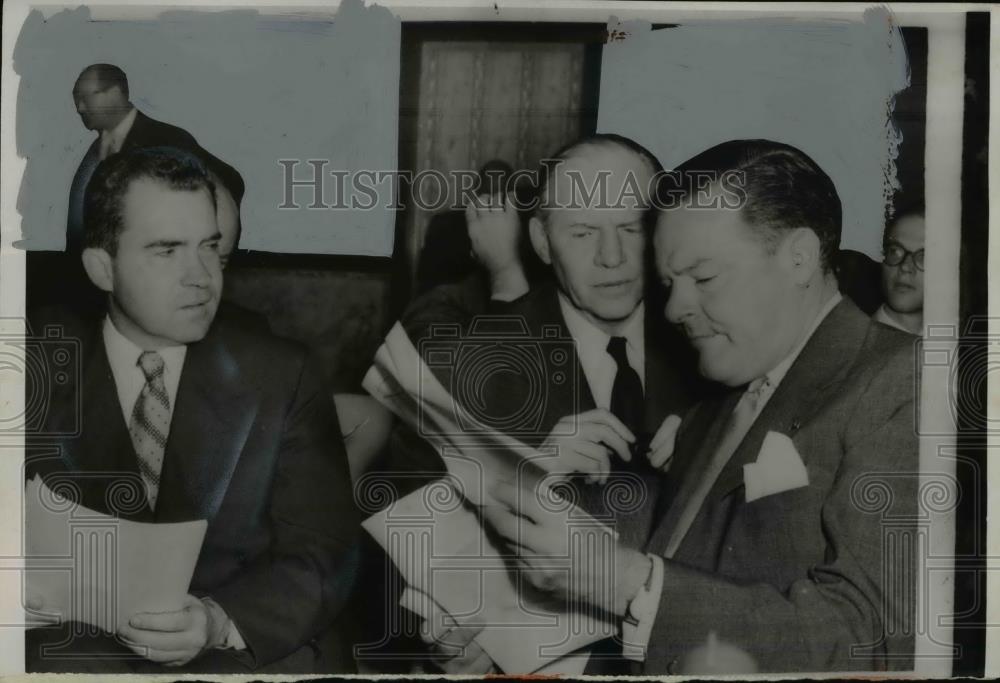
853	611
295	589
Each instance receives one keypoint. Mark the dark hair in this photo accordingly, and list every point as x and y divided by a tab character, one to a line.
550	164
783	189
492	178
102	203
108	75
903	207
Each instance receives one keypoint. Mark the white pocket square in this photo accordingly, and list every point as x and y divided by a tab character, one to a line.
778	468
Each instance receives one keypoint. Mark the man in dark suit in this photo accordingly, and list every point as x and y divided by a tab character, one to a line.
777	539
201	418
101	96
624	368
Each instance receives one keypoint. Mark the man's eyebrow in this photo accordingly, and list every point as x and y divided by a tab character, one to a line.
212	238
163	244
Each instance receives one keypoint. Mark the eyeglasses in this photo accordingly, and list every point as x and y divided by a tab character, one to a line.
895	254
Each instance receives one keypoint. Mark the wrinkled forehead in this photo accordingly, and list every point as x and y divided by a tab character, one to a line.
600	178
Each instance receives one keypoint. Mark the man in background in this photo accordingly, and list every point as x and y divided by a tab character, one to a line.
101	97
903	273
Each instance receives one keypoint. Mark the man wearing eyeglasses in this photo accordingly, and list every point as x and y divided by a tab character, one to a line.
903	274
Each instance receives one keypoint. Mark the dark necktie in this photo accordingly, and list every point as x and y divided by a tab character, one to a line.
626	392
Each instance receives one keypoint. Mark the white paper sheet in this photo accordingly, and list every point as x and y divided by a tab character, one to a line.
90	567
442	551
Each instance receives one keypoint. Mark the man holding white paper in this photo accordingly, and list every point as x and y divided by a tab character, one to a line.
598	418
181	420
791	489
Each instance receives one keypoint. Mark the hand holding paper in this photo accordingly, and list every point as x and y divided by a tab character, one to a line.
454	649
73	550
579	563
172	638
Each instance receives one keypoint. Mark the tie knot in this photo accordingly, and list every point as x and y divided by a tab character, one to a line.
152	364
616	348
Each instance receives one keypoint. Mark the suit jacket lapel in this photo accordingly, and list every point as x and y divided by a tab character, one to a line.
211	420
696	442
104	449
820	367
566	398
822	364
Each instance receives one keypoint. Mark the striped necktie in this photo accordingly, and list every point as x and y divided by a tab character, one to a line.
151	423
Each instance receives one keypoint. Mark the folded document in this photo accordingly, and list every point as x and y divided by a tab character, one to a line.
93	568
437	541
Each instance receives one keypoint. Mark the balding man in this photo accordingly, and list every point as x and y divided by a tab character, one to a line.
101	97
592	228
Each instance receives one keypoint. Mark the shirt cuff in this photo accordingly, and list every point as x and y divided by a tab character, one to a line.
638	625
234	640
228	635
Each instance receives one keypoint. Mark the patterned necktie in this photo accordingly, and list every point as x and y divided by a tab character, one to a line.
736	428
626	392
151	423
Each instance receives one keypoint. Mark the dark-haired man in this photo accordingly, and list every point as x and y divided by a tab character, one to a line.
206	418
903	273
772	542
101	97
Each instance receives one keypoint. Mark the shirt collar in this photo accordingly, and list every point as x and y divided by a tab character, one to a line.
123	353
591	337
883	316
774	377
118	133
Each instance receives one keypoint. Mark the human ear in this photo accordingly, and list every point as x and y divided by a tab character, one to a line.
97	263
803	252
539	239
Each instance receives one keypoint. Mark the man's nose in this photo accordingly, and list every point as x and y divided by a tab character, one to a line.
198	271
907	265
680	303
81	107
609	249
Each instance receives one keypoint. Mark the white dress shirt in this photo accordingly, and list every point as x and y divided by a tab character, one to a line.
883	316
123	357
647	603
599	368
112	140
